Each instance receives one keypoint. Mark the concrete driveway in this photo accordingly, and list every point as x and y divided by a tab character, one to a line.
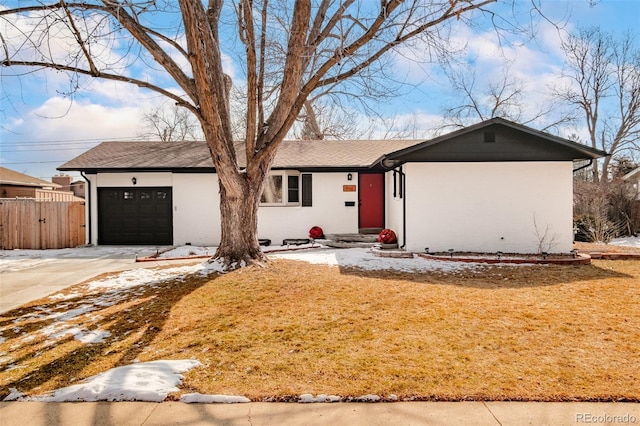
27	275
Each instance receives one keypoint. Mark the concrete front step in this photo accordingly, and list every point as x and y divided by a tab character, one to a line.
346	244
353	238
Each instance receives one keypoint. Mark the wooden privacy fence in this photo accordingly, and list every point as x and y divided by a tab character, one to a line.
34	224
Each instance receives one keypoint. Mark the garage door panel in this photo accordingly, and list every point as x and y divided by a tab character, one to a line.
129	224
147	210
164	224
135	216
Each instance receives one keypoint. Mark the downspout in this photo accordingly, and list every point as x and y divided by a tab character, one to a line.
88	202
403	193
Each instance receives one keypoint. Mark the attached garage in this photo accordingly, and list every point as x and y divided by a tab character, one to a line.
135	216
494	186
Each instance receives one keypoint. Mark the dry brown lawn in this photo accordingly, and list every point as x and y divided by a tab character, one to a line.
498	333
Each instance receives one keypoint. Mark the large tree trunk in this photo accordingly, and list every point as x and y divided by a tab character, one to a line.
239	221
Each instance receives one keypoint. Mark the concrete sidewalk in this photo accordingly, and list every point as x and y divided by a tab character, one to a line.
48	271
256	414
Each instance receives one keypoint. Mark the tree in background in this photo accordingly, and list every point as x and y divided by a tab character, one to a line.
289	51
170	124
601	71
501	95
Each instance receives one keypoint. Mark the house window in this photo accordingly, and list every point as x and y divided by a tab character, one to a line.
272	193
293	189
283	188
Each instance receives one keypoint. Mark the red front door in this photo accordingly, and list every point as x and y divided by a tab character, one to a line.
371	200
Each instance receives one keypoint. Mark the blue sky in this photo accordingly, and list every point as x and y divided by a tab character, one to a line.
41	129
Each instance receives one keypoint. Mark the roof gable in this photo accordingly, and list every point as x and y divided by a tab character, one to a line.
11	177
494	140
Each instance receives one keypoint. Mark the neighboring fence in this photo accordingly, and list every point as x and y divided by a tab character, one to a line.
33	224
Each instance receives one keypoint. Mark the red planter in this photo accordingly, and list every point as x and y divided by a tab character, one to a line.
316	233
387	236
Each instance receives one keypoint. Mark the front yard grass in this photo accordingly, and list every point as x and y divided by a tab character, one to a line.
549	333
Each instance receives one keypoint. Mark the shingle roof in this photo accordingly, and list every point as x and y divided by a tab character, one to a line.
11	177
189	155
333	154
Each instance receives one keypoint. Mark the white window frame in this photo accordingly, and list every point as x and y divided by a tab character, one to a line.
285	189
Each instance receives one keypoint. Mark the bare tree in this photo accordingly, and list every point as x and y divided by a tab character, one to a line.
329	120
170	124
315	45
502	96
604	74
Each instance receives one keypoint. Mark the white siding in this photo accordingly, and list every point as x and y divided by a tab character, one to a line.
123	180
394	206
489	207
328	211
91	211
196	209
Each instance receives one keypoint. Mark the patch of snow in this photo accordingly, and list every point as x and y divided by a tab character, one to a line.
193	251
198	398
92	337
72	313
14	395
363	258
137	277
292	247
186	251
367	398
60	296
626	242
146	381
309	398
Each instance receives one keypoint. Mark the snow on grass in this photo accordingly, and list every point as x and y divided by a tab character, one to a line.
626	242
315	253
187	251
142	276
309	398
152	381
363	258
367	398
148	381
196	251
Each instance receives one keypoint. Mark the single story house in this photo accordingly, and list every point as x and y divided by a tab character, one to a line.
19	185
494	186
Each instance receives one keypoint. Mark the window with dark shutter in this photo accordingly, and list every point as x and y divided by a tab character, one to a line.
307	197
293	189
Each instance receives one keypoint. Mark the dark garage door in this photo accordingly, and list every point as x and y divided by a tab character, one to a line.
135	216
